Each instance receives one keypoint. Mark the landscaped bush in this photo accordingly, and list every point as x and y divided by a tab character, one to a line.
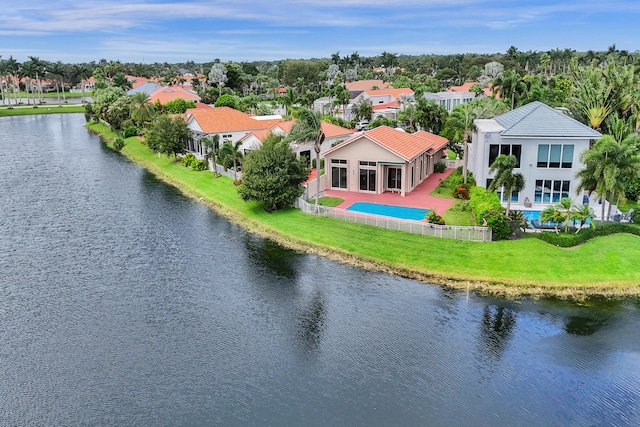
118	143
130	131
313	163
488	212
434	218
500	228
439	167
462	191
567	240
189	160
483	201
200	165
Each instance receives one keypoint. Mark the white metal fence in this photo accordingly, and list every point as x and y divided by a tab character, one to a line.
474	234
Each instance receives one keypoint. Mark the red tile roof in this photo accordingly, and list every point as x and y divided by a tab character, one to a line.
393	92
467	86
405	145
437	141
224	119
367	85
169	93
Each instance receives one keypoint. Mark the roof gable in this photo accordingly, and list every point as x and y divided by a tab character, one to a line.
225	119
404	145
537	119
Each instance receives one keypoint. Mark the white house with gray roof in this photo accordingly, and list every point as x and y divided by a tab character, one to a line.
548	145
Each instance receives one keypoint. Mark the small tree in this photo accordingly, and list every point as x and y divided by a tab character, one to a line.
273	175
230	154
168	135
504	177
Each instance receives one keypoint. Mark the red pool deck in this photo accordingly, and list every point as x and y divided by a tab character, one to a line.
418	198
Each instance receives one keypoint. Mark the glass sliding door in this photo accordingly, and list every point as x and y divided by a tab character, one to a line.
394	178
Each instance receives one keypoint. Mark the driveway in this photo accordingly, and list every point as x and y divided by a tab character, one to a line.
418	198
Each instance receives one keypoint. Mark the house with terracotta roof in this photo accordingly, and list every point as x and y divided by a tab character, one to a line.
227	123
466	87
385	102
334	134
382	159
169	93
547	144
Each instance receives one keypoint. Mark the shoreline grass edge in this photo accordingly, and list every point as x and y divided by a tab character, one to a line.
474	280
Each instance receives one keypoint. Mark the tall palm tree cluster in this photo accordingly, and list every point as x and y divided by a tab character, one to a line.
29	76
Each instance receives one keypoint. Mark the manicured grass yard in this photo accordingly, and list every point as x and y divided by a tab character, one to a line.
42	109
327	201
604	265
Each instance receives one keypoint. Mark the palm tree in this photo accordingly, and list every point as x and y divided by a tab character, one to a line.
553	215
3	80
605	166
80	71
38	68
504	177
28	71
13	69
308	129
231	153
460	125
56	72
142	110
582	213
509	85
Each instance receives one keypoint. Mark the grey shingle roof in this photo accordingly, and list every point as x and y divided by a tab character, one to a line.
539	120
148	88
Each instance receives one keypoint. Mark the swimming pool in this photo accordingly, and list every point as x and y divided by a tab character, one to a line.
531	215
401	212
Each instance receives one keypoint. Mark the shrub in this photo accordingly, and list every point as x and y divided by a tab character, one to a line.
439	167
434	218
500	227
483	201
130	131
200	165
189	160
635	216
118	143
566	240
461	191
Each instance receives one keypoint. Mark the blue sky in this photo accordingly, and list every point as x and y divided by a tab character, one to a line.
246	30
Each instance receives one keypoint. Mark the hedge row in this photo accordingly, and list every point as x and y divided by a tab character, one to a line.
567	240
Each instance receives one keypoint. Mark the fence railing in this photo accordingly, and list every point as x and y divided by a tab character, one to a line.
226	172
457	232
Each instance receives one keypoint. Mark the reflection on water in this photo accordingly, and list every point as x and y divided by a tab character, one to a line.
311	321
496	329
124	303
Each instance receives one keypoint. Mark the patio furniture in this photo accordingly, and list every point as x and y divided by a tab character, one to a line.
527	202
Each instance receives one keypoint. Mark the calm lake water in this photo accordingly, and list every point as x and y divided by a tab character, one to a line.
124	303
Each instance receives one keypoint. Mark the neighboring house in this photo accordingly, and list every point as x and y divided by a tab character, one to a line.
169	93
548	145
385	102
359	86
466	87
334	134
229	124
148	87
449	100
382	159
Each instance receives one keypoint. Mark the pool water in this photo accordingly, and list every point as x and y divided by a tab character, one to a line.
531	215
401	212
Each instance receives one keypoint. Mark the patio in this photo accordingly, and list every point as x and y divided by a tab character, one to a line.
419	198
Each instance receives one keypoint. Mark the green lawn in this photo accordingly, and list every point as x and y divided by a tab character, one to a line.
603	266
327	201
41	109
23	94
455	215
